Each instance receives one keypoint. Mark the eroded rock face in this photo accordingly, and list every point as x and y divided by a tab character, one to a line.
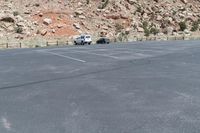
7	18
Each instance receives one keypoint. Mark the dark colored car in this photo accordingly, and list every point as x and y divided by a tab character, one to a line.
103	41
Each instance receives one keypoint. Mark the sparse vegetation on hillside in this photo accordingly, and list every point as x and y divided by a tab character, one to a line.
18	30
195	26
154	31
104	4
15	13
71	17
183	26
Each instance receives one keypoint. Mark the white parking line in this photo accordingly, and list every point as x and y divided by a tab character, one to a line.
113	57
64	56
6	124
68	48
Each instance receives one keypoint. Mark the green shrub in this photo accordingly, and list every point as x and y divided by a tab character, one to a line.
104	4
18	30
154	31
122	37
15	13
118	27
195	26
139	9
174	13
145	24
146	32
198	20
183	26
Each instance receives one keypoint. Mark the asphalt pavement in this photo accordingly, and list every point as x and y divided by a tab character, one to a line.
139	87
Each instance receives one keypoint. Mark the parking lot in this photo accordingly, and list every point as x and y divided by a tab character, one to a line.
139	87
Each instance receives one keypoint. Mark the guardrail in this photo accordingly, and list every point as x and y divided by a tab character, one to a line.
8	45
56	43
61	43
11	45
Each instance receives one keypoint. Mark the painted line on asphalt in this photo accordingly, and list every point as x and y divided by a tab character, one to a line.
64	56
86	52
69	48
6	124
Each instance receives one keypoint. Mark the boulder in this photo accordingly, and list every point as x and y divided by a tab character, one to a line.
41	14
53	30
77	25
60	25
159	18
47	21
43	32
186	31
169	30
140	29
132	2
184	1
82	17
78	12
7	18
21	24
27	12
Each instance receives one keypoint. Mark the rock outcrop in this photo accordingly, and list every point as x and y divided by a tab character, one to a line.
108	18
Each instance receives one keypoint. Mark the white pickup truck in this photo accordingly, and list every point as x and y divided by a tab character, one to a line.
83	39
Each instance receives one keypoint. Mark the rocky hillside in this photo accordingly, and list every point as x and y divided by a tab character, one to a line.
113	18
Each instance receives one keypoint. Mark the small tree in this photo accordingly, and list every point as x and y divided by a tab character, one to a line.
15	13
195	26
183	26
146	32
118	27
18	30
145	24
104	4
154	31
139	9
146	29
